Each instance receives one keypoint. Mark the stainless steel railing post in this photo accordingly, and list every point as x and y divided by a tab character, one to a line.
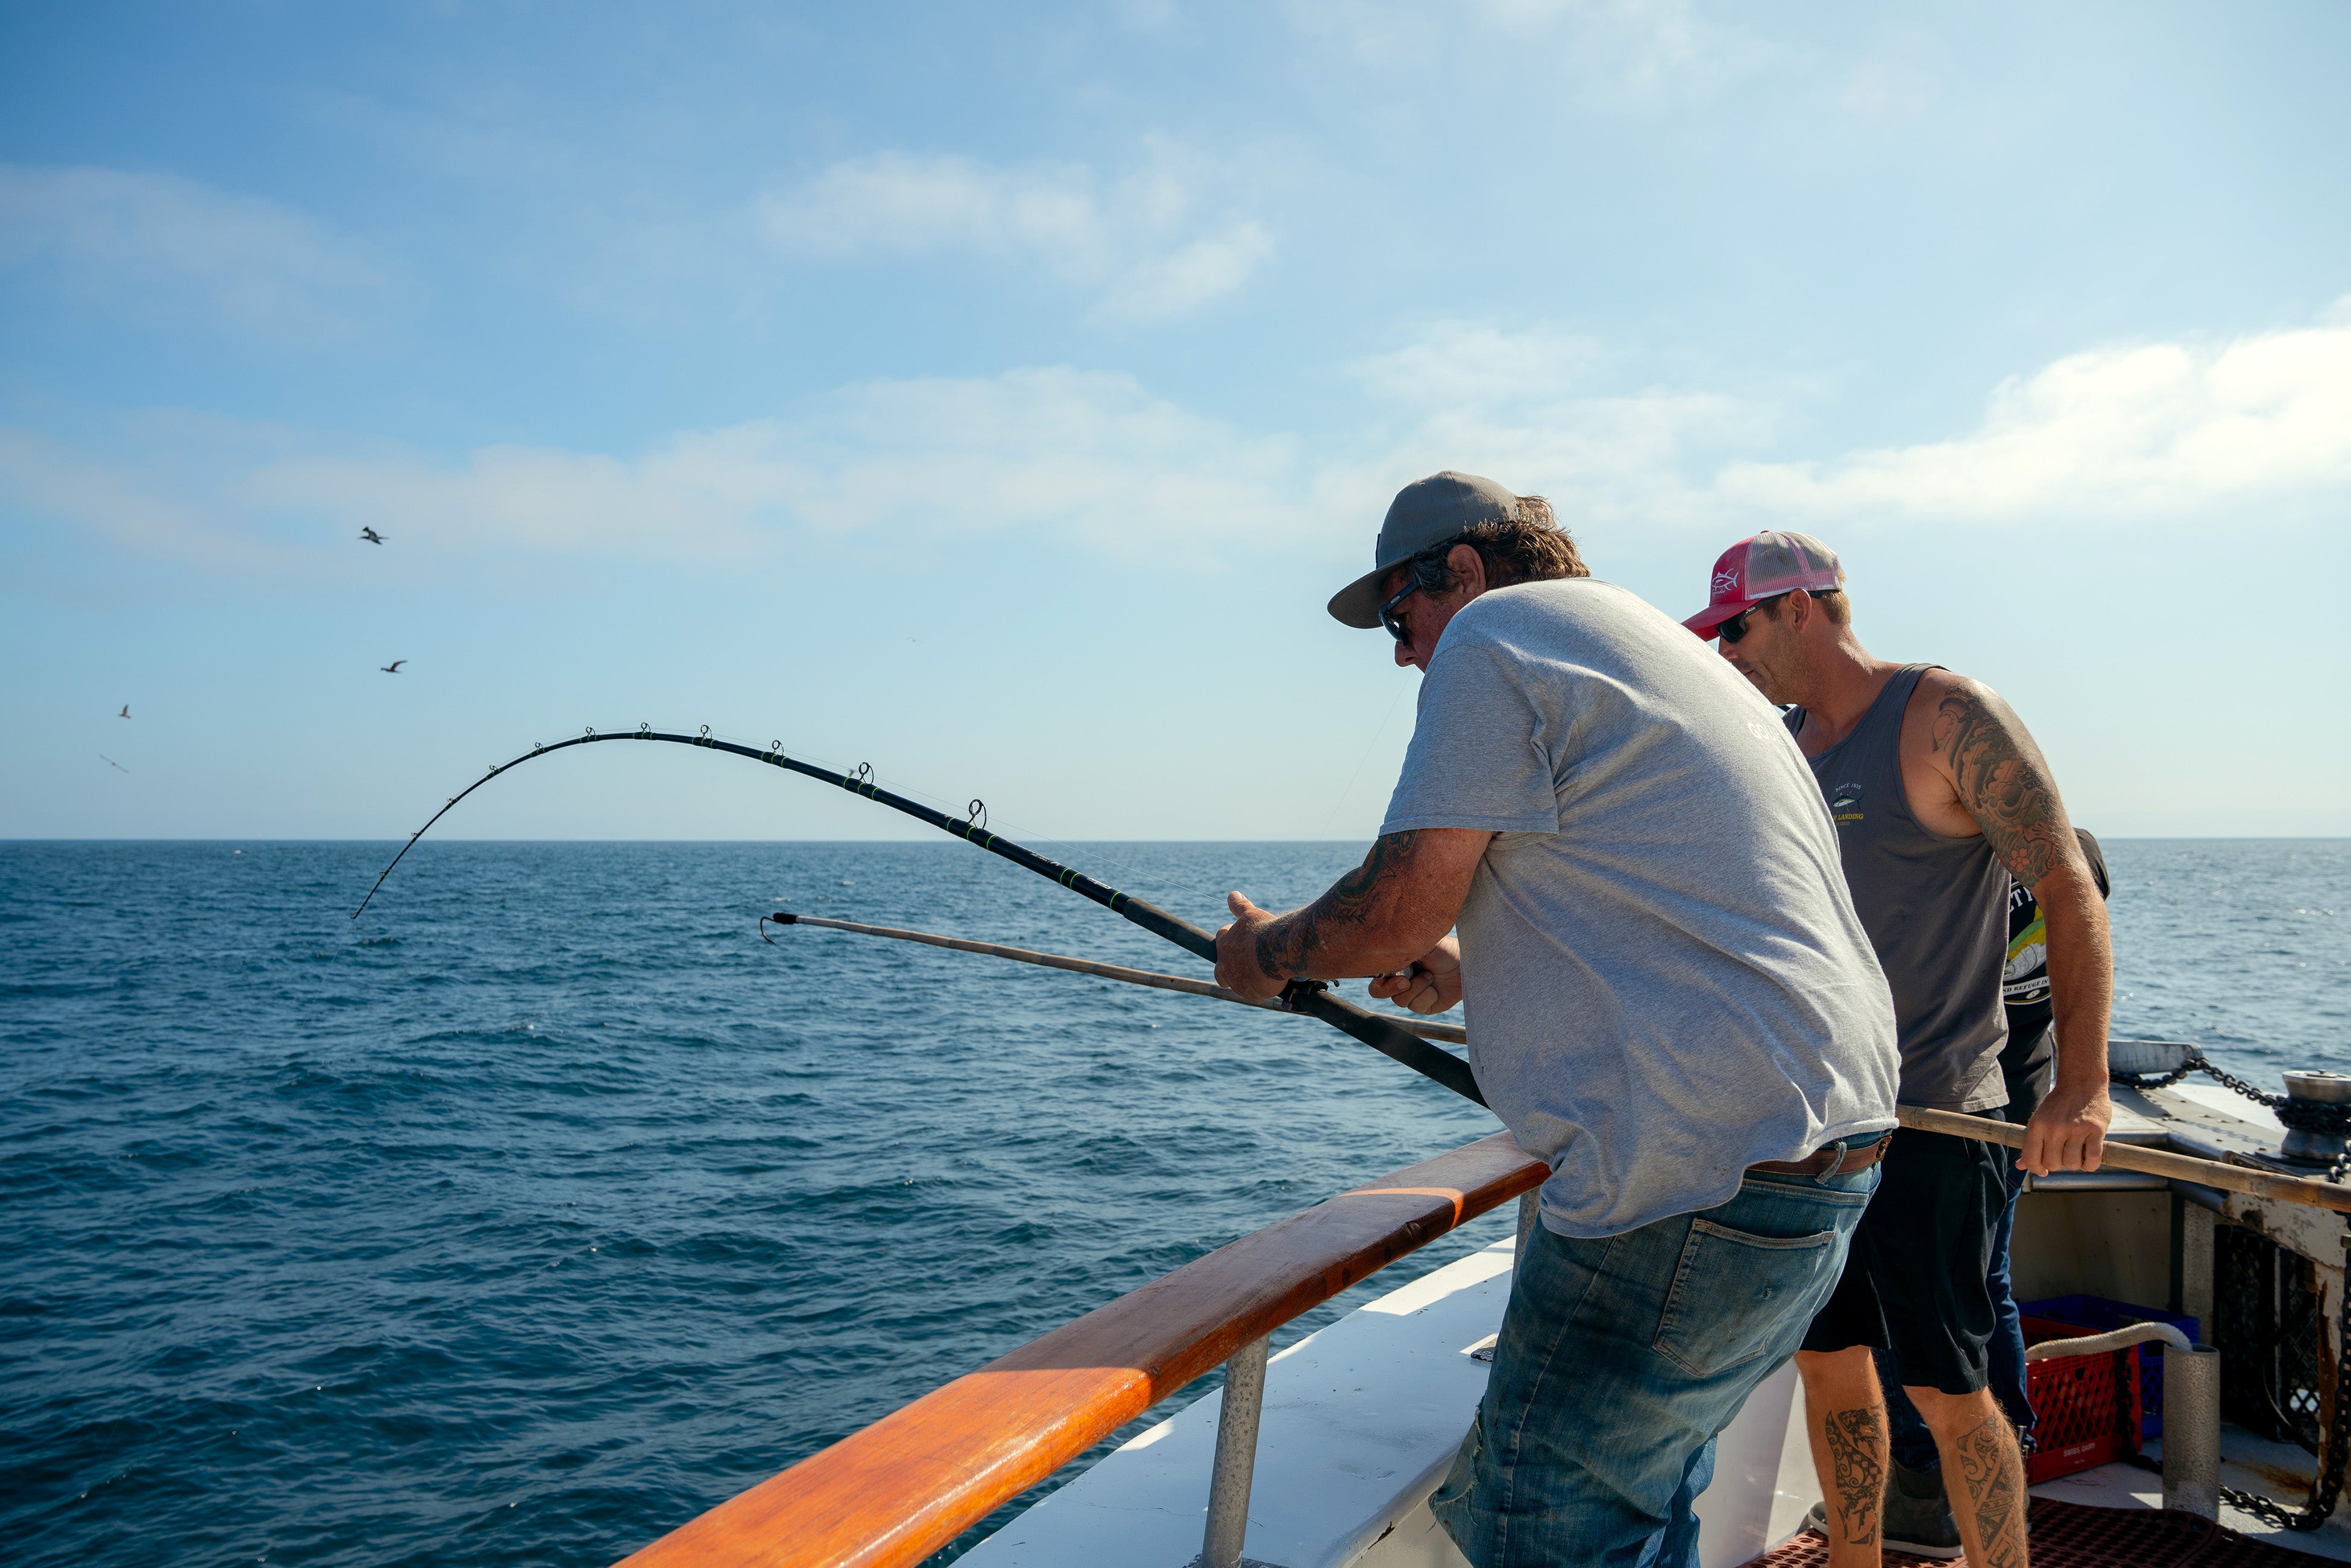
1229	1484
1530	1215
2191	1407
2192	1429
2196	1246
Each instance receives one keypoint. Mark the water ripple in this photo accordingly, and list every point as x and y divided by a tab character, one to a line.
548	1206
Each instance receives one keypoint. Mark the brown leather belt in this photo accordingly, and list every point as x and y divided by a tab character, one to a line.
1829	1160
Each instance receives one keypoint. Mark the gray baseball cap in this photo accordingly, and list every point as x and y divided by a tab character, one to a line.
1426	512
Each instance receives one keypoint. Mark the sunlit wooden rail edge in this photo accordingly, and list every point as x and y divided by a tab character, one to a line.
913	1481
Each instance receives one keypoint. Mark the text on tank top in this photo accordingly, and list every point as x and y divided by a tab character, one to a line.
1936	909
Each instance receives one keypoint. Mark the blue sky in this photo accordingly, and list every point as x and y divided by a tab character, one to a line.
994	394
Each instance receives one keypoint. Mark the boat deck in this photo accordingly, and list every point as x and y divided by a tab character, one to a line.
2071	1535
1361	1418
2248	1463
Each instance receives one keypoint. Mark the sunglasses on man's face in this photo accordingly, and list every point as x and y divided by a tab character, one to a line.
1396	628
1732	630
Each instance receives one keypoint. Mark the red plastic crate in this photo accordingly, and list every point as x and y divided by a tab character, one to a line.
2099	1314
2083	1421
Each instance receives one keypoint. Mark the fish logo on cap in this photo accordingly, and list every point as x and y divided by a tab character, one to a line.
1762	566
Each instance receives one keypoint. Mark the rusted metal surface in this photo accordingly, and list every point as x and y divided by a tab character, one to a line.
916	1478
2318	1236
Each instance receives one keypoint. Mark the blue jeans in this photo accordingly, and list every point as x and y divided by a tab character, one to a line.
1622	1357
1913	1444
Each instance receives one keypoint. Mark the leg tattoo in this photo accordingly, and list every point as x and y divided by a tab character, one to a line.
1994	1473
1855	1439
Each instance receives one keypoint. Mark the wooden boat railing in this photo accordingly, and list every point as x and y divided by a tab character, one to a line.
914	1481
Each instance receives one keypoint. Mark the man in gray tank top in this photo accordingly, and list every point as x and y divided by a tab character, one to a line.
1670	1000
1939	797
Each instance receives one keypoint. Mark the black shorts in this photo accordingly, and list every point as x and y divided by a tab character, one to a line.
1914	1281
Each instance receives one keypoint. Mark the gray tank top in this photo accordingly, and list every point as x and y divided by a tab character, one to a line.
1936	909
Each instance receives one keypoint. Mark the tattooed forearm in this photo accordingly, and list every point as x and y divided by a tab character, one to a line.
1856	1441
1994	1474
1287	947
2002	782
1282	947
1351	897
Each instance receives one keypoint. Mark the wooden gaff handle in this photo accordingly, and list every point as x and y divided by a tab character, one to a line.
1451	1032
2147	1162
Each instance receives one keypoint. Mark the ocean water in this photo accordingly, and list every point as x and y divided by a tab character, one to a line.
547	1206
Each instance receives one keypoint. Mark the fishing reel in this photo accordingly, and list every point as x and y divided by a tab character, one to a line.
1294	995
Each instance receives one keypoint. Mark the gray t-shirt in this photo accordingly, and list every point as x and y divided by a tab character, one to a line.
1664	976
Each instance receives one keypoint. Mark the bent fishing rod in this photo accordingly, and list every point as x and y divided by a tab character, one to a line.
1314	998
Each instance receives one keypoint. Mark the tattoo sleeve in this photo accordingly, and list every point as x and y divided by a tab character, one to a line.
1287	947
2003	782
1855	1438
1994	1473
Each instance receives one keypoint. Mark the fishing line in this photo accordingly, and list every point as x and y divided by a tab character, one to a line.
1096	852
1378	734
1312	997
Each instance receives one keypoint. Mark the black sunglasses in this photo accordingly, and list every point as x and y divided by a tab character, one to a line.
1388	613
1732	630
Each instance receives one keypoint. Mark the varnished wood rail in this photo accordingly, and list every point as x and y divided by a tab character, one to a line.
914	1481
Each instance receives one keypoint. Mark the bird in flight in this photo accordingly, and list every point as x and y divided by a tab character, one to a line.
126	711
371	536
109	761
394	668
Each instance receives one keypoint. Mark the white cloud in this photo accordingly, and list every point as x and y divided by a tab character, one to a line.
152	245
1133	237
1534	408
47	477
1087	456
896	201
2133	434
2112	434
1472	364
1177	284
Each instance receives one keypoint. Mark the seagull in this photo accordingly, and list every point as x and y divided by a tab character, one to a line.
371	536
126	711
392	668
109	761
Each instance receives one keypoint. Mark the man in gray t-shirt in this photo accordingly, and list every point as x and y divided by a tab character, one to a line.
1670	1000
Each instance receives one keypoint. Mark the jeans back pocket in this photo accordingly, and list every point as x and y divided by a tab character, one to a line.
1737	1296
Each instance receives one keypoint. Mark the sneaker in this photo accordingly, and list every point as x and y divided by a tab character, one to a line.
1918	1517
1909	1526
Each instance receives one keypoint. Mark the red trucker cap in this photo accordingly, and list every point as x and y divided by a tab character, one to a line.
1769	564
